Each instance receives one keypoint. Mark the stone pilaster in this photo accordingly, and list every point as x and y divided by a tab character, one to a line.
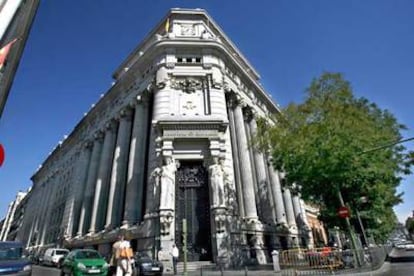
87	202
119	168
102	181
136	164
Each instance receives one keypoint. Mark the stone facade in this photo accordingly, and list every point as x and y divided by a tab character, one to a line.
13	219
171	141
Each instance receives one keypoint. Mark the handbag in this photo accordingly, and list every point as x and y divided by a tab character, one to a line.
125	252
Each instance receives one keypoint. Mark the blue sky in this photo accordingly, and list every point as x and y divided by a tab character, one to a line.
75	46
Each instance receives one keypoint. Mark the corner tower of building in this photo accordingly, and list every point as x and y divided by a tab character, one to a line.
166	154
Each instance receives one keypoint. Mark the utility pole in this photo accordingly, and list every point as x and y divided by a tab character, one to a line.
185	246
351	232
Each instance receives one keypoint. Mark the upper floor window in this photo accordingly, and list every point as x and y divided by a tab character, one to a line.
188	60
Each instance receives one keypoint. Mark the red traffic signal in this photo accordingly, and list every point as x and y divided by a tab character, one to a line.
1	155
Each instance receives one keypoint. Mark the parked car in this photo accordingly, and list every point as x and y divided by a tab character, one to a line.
53	256
145	265
12	260
409	247
84	262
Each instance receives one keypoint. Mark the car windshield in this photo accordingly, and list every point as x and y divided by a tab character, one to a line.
61	252
87	255
10	252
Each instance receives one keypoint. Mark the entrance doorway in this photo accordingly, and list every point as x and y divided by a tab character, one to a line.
192	203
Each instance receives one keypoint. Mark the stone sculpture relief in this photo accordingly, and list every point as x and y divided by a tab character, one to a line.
188	30
220	221
167	183
217	182
187	85
161	78
166	218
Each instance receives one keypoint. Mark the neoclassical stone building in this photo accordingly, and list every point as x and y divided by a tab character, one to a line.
171	141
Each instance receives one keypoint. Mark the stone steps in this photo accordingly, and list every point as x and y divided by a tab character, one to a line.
192	266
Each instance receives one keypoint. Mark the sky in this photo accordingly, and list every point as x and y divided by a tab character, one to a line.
75	46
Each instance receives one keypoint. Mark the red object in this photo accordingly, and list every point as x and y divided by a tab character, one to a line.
1	155
343	212
5	51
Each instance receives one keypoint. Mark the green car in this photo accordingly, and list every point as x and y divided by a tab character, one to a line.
84	262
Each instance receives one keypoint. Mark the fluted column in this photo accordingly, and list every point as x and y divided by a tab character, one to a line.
136	164
236	166
5	223
245	165
277	196
102	181
81	173
267	211
287	197
119	167
297	209
85	214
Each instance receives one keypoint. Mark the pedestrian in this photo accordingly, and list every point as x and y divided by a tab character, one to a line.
175	254
121	256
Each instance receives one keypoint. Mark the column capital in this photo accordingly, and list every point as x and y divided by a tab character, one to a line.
87	144
249	112
98	136
110	125
141	99
125	113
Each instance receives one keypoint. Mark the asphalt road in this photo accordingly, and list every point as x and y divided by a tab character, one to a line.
38	270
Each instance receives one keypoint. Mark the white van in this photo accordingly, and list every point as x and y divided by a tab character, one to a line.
53	256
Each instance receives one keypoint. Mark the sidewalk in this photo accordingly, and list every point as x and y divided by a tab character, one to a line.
384	268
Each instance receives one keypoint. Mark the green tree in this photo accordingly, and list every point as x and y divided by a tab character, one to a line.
320	145
409	224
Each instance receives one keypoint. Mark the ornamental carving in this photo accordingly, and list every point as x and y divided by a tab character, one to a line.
188	30
188	85
166	219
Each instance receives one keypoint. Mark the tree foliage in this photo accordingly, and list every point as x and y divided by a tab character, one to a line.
322	144
409	224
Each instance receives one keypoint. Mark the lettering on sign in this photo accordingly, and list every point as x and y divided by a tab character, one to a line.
191	133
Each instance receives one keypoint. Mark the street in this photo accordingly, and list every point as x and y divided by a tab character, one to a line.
45	271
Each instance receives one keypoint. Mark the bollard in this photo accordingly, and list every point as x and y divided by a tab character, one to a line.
275	258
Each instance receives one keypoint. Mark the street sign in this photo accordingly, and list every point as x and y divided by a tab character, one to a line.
343	212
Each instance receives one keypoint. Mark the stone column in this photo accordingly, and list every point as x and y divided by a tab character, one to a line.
102	181
277	196
81	175
306	227
86	210
287	197
119	167
261	177
245	165
235	151
297	210
136	164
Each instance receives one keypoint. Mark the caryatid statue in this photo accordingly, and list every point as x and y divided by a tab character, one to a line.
217	182
167	183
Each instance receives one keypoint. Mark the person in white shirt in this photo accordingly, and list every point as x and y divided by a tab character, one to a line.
175	254
123	263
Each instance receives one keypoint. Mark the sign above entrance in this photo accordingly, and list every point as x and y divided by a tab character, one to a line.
198	133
